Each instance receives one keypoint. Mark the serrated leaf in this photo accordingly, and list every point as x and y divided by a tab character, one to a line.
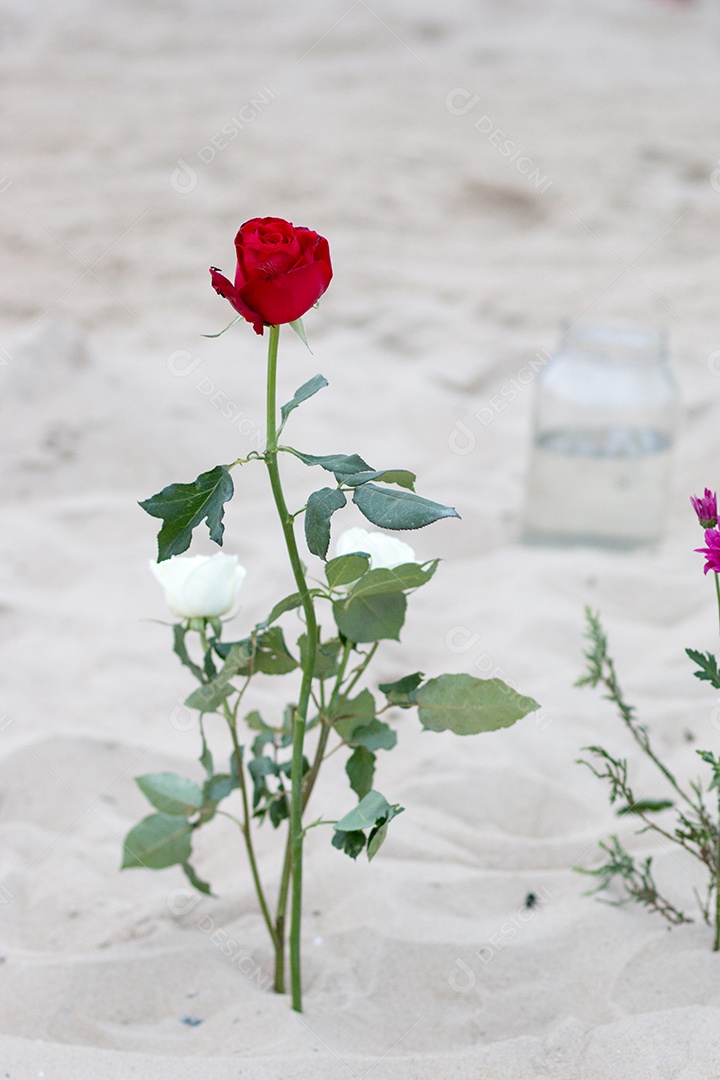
398	509
307	390
708	667
170	793
351	843
196	881
398	579
371	809
346	568
321	506
360	768
159	840
402	477
371	618
183	507
469	706
341	465
400	692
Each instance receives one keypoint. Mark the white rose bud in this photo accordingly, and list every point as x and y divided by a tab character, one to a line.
385	551
200	586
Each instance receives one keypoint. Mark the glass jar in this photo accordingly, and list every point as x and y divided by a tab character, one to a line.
606	408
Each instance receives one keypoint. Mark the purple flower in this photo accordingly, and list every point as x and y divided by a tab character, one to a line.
712	551
706	509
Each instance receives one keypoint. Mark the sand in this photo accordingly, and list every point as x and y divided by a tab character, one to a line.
369	123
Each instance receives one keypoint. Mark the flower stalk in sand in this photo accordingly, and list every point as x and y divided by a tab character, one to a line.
281	272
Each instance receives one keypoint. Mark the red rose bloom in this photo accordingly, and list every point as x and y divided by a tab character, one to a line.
281	272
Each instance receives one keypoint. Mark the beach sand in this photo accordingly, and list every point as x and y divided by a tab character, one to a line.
136	137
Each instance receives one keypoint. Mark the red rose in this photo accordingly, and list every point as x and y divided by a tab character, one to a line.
281	272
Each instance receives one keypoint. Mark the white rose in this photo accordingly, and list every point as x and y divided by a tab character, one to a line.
385	551
200	586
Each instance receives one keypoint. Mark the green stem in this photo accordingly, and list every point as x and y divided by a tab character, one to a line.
296	773
246	829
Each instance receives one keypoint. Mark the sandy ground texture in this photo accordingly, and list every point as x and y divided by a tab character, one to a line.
134	139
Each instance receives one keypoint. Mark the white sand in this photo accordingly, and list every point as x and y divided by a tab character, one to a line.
452	270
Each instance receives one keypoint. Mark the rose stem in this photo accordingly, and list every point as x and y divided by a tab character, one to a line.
296	773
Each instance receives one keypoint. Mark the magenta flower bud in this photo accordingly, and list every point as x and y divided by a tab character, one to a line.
712	551
706	509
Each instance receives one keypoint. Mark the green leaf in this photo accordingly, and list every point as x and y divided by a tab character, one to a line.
346	568
321	506
356	713
159	840
326	657
256	723
209	698
398	509
376	837
360	768
297	326
289	603
341	465
372	808
351	843
180	650
184	506
267	654
304	392
708	667
219	787
398	579
371	618
170	793
224	330
646	806
377	735
389	476
195	881
400	692
467	706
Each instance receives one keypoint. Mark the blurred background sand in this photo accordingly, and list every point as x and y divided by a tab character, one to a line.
134	140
